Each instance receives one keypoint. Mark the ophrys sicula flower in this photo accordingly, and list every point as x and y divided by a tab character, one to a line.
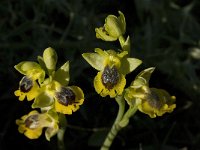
113	67
151	101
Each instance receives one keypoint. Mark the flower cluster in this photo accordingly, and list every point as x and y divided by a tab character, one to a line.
113	66
49	90
48	87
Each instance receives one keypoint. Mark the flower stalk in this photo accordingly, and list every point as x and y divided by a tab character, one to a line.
61	132
116	127
60	138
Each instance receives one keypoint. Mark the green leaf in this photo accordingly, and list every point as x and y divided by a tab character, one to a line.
43	100
25	66
62	74
95	60
129	64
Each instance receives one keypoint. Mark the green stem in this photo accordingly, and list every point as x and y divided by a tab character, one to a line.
115	128
129	113
60	137
61	131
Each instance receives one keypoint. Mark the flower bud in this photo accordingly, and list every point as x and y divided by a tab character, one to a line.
114	27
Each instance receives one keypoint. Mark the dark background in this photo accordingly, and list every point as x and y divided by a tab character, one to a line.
164	34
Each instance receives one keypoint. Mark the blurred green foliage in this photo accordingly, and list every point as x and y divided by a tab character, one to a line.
164	34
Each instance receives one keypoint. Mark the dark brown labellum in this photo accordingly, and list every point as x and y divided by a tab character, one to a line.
110	77
153	100
66	96
31	122
26	84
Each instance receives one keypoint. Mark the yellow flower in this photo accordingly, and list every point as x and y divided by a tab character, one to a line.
157	102
65	99
31	125
68	99
27	88
112	67
151	101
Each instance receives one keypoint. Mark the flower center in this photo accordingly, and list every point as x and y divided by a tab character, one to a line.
153	100
66	96
110	77
26	84
32	121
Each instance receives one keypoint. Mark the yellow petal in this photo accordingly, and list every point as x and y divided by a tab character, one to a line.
33	93
98	83
147	109
120	86
20	94
21	128
33	134
63	109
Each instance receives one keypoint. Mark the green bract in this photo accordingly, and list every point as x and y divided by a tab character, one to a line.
125	45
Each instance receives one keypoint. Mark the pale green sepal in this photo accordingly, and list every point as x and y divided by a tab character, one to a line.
42	64
25	66
95	60
43	100
62	74
129	64
122	21
102	34
41	77
113	26
145	74
50	59
138	82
